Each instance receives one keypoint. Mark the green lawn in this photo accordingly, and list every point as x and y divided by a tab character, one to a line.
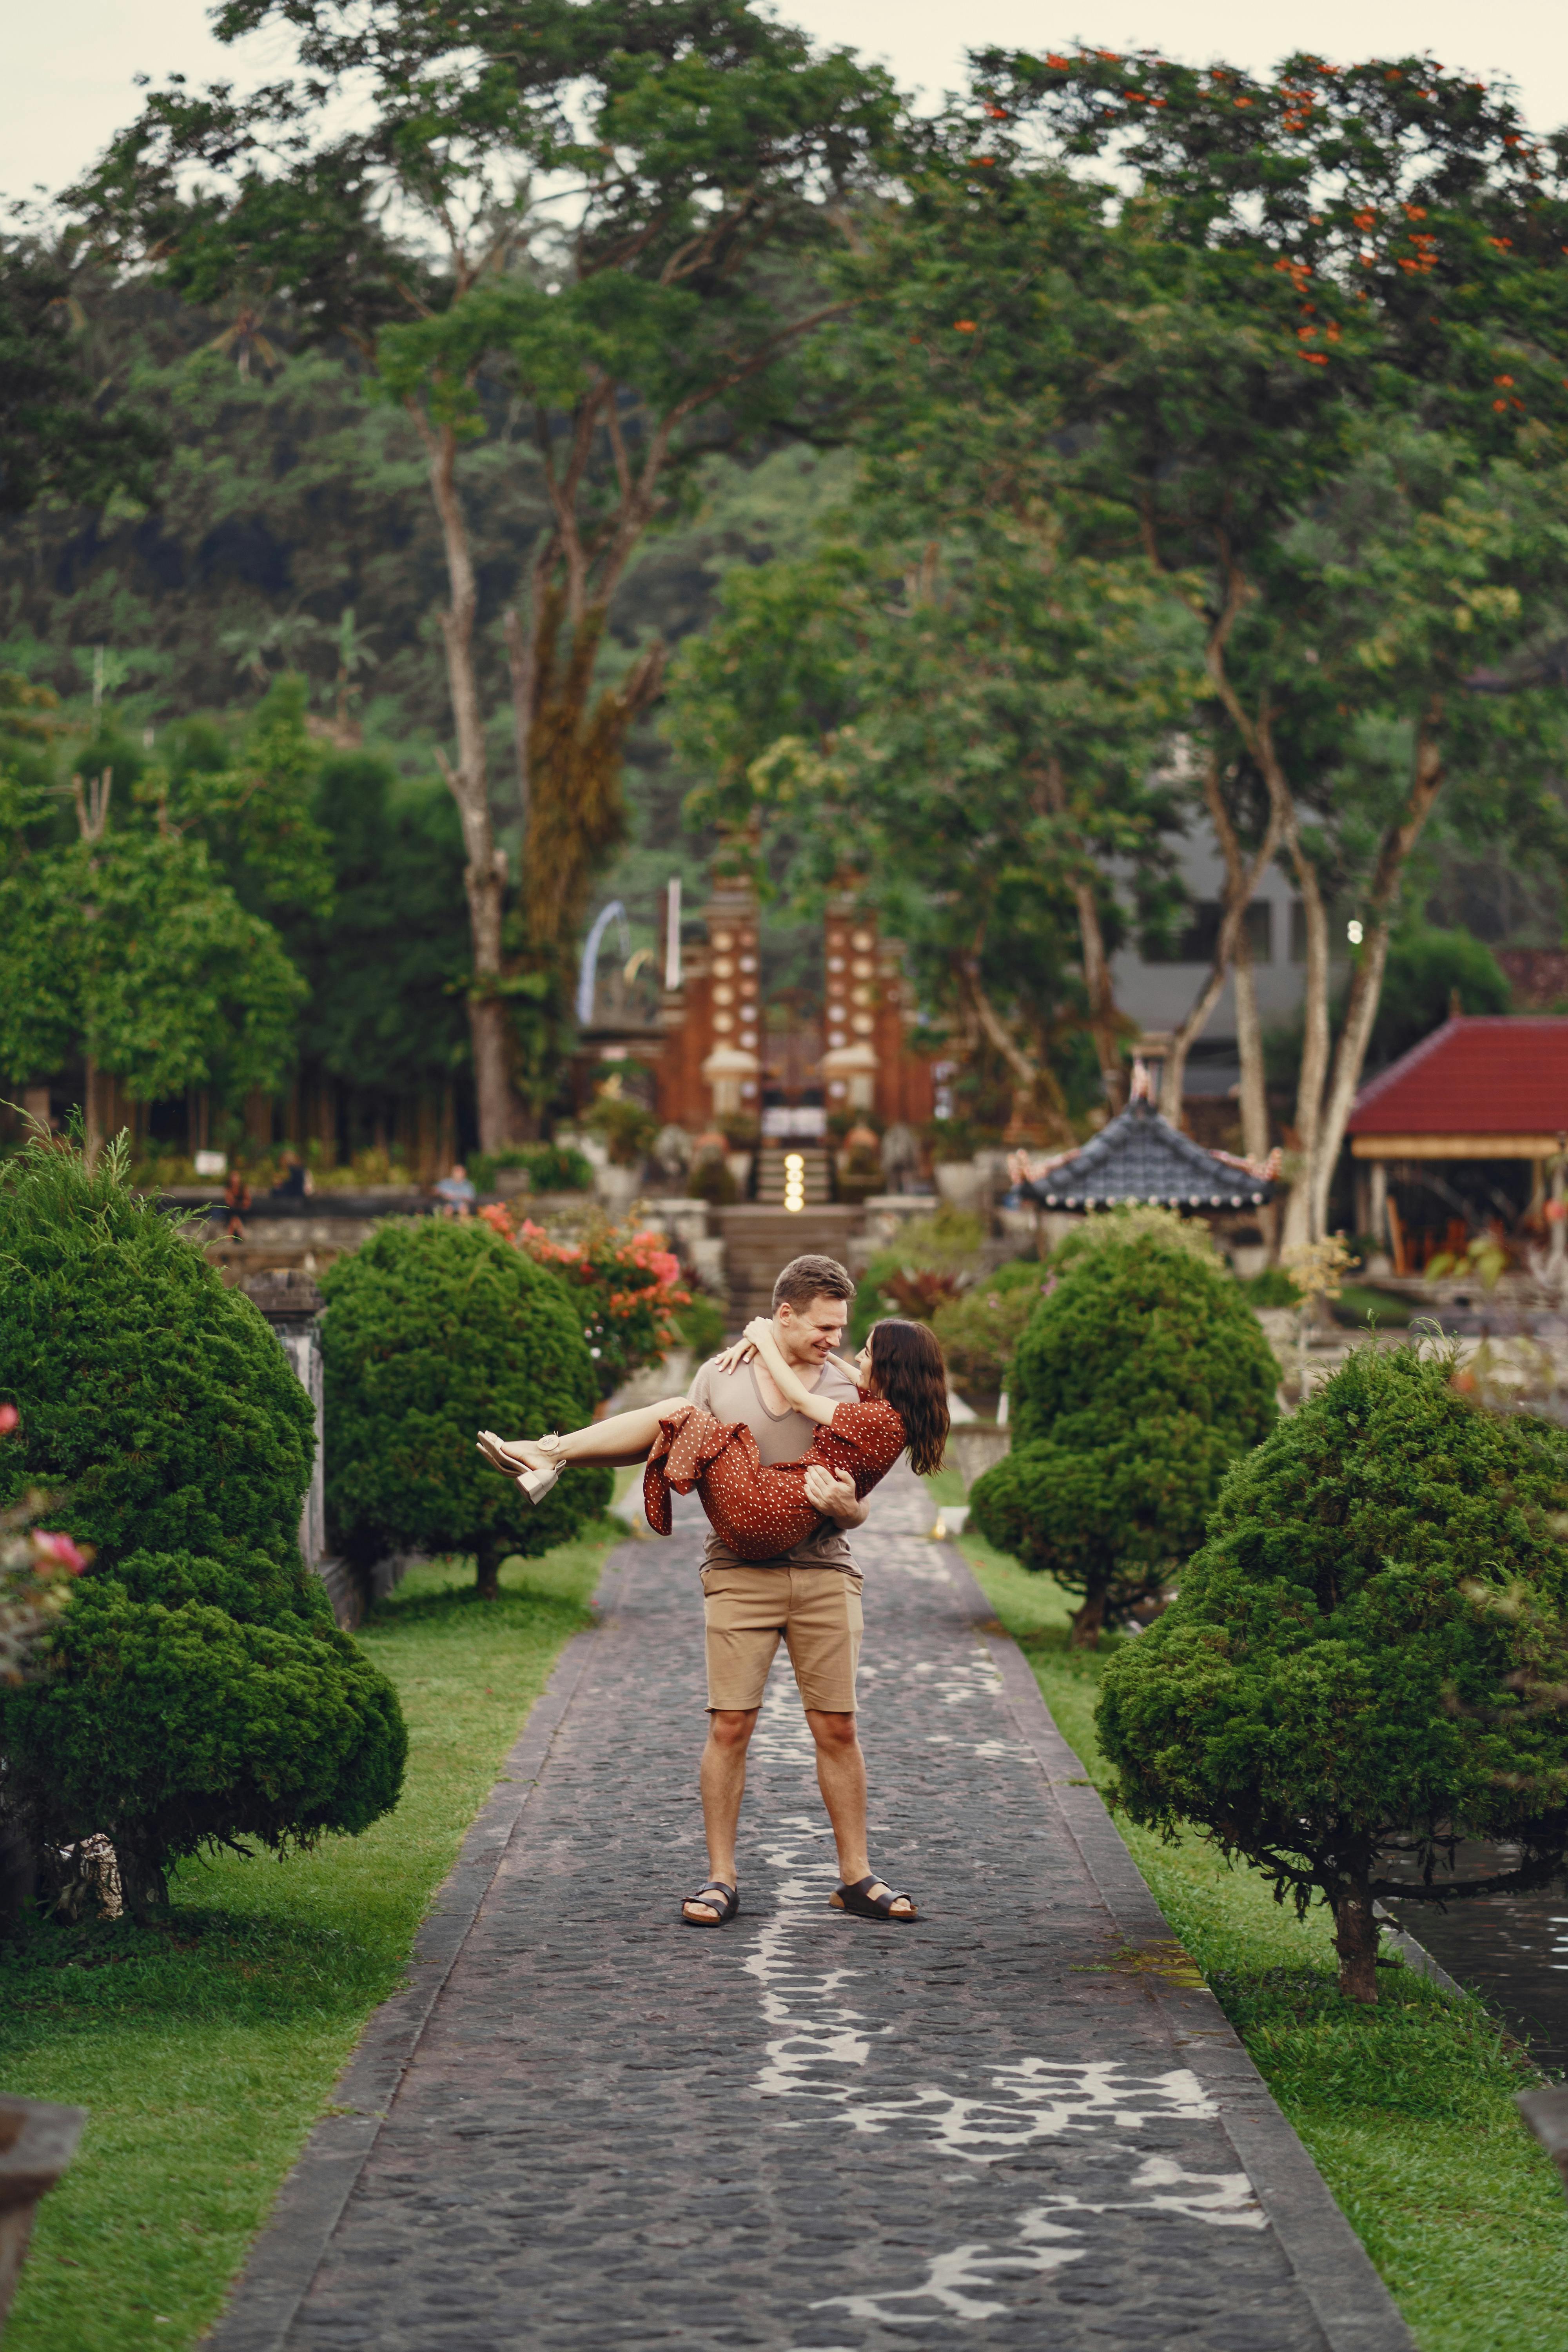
207	2050
1407	2108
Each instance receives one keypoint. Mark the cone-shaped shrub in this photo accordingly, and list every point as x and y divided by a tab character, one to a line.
1139	1379
1368	1654
435	1330
196	1687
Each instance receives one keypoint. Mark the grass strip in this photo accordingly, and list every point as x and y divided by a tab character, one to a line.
207	2048
1406	2108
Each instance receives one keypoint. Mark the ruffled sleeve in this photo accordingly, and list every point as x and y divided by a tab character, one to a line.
873	1433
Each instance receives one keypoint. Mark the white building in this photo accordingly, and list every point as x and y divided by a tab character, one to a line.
1159	995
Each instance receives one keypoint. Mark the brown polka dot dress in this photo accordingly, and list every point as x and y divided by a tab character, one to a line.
760	1509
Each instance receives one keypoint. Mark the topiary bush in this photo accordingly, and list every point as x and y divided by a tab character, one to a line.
432	1331
196	1688
1141	1375
1368	1655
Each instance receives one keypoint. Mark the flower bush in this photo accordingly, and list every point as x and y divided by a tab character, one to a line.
626	1287
35	1569
929	1266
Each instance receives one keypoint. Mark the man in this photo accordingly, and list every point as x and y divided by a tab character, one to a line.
809	1597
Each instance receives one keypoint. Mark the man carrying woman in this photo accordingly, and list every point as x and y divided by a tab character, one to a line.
782	1441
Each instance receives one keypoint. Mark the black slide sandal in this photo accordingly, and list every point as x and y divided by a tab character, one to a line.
726	1909
859	1900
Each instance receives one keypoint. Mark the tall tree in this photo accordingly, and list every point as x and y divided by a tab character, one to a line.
1312	342
606	215
974	725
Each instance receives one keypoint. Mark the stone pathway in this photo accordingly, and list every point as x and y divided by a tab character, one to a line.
585	2125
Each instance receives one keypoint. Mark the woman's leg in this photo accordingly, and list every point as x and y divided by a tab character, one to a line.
625	1437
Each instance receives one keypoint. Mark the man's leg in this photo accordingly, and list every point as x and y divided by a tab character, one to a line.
743	1610
722	1780
824	1637
841	1776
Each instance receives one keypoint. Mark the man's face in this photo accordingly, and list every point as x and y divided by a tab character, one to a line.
810	1334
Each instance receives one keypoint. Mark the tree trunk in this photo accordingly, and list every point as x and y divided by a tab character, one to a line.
1105	1023
91	1111
1366	986
487	1571
1250	1046
1297	1227
144	1885
1089	1620
1355	1939
576	745
1231	947
484	876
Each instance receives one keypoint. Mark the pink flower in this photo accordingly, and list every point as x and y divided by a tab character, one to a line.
58	1551
9	1417
666	1265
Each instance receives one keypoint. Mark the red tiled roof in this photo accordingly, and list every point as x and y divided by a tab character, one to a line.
1479	1075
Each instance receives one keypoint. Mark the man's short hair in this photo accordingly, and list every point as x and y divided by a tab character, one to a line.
808	1277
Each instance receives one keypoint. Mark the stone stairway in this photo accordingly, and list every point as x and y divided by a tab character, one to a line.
759	1240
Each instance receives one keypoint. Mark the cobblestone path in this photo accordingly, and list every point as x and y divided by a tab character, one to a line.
1019	2123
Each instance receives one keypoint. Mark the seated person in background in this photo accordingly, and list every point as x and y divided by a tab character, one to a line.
456	1193
236	1202
295	1181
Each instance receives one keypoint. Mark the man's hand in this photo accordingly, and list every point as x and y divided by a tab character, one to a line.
835	1497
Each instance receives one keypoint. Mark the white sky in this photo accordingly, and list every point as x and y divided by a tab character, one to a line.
68	68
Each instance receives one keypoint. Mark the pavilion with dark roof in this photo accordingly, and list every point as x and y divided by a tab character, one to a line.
1140	1156
1479	1088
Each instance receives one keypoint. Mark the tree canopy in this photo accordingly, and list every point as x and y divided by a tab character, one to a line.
613	226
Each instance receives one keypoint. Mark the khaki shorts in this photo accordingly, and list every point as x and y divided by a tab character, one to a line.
817	1611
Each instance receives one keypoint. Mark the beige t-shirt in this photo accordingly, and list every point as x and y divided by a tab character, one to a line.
780	1437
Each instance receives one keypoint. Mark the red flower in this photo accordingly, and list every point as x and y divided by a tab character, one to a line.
963	326
9	1417
58	1551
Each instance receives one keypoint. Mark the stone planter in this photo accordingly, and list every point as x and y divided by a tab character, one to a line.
964	1186
37	2143
618	1188
975	1447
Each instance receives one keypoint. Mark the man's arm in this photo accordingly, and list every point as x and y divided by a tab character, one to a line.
835	1497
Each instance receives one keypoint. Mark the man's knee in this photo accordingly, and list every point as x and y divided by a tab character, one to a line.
833	1732
732	1727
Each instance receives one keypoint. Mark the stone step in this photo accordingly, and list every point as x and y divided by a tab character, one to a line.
759	1240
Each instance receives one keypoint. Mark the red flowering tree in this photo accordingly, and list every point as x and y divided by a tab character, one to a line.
627	1285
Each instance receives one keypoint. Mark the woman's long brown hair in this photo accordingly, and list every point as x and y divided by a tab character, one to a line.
906	1368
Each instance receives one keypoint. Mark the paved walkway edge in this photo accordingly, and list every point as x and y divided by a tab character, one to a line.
287	2255
1349	2301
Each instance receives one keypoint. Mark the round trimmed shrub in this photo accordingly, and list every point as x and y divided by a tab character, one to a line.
1141	1376
1369	1654
435	1330
196	1688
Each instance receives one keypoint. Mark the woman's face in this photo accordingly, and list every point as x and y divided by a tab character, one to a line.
863	1367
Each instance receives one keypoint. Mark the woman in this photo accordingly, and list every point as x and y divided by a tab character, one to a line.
761	1510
